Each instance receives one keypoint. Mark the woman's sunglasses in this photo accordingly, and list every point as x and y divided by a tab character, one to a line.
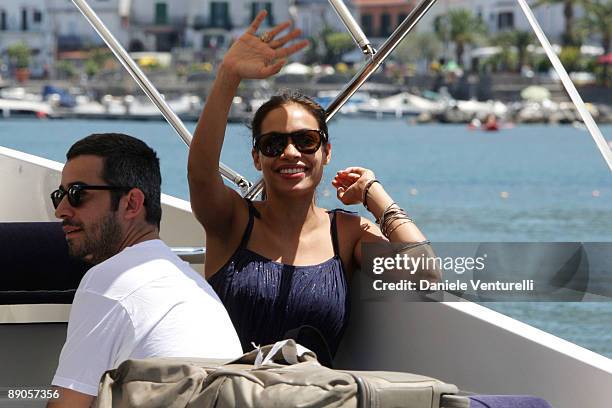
306	141
75	193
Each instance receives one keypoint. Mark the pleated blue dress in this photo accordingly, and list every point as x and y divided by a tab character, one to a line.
267	299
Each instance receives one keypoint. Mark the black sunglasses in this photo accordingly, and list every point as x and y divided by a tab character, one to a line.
273	144
75	192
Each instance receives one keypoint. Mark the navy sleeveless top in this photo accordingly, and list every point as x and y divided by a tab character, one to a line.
266	299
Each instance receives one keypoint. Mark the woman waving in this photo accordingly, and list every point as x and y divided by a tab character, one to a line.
282	264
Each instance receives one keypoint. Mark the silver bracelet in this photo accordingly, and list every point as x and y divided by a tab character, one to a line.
391	214
385	213
406	221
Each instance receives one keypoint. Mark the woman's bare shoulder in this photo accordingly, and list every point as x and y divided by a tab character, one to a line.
350	224
352	219
356	228
219	248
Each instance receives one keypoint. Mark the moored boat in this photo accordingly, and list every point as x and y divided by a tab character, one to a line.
463	343
401	105
14	108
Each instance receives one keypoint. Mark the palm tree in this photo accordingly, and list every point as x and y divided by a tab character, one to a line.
569	37
520	40
598	20
418	46
464	28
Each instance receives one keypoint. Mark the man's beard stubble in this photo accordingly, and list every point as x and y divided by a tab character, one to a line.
100	241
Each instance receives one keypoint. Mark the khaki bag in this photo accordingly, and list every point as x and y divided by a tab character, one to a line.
281	375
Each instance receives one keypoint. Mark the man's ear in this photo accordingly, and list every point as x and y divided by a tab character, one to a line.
133	202
327	153
256	159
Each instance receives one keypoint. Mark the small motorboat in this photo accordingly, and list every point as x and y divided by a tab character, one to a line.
401	105
15	108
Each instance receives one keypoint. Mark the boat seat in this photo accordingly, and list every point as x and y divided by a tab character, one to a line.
35	266
507	401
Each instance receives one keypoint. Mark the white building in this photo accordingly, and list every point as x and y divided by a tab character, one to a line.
500	15
160	25
71	30
26	21
213	24
156	25
313	15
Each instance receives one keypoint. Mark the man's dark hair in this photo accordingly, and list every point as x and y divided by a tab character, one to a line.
128	162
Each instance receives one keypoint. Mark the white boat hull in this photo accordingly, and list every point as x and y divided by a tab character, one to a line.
463	343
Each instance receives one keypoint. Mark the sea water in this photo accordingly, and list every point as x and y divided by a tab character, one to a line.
532	183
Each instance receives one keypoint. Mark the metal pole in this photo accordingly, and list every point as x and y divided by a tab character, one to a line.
385	50
254	190
351	25
605	150
359	79
148	88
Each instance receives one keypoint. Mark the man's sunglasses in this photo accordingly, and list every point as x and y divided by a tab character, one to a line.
306	141
75	193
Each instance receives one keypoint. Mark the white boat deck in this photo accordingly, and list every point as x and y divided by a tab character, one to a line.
460	342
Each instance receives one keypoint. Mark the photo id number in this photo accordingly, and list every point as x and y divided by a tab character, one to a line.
32	394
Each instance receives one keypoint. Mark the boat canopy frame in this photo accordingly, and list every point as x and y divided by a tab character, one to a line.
374	58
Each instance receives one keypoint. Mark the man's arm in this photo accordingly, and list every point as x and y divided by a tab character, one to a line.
70	399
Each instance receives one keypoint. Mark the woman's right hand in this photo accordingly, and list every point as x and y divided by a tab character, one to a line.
250	57
350	184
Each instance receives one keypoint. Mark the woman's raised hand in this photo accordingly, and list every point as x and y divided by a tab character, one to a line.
257	57
350	183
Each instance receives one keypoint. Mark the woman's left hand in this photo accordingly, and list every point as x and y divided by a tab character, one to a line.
258	57
350	183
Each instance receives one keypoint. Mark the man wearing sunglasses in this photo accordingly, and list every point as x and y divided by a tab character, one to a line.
139	300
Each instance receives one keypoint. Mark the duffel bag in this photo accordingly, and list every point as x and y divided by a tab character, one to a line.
281	375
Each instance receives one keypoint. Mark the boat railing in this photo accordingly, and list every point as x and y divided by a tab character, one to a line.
193	255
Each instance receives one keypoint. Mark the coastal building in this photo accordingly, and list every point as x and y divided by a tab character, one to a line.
72	32
156	25
137	25
311	16
379	18
213	24
27	22
54	29
503	15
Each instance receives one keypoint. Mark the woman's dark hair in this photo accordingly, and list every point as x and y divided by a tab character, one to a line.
287	98
128	162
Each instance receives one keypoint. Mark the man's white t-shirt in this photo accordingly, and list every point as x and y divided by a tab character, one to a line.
143	302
